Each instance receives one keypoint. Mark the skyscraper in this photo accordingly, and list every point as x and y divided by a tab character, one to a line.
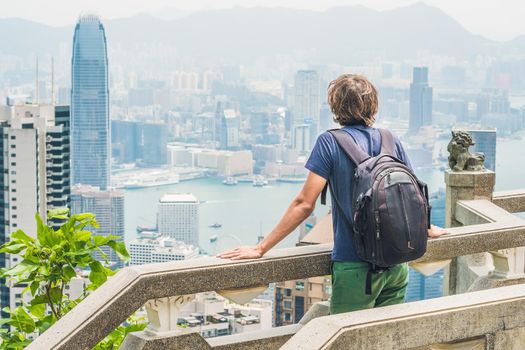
108	207
227	126
178	217
34	173
307	104
420	99
485	140
90	104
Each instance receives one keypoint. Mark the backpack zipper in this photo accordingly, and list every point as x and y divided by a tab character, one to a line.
409	239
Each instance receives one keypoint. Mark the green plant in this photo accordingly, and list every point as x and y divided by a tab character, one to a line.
49	262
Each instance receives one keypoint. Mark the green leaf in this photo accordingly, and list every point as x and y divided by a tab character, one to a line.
83	216
56	294
34	287
39	299
69	272
14	248
120	249
82	235
38	310
22	270
98	274
22	320
58	213
103	240
21	235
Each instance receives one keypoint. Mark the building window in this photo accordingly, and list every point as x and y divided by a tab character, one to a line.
13	137
13	163
13	146
13	155
287	316
13	199
299	285
288	292
287	304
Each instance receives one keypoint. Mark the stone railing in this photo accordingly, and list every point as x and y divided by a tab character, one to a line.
489	227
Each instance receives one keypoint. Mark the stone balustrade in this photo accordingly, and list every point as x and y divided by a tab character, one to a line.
483	222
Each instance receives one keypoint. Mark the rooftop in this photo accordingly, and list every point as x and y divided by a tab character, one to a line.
178	198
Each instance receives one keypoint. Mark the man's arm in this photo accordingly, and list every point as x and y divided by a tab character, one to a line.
300	208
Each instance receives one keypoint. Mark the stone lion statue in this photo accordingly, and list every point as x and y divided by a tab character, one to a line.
460	158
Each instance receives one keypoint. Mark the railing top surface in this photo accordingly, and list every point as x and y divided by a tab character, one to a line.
418	317
111	304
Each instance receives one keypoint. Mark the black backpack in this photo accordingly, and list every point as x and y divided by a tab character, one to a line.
390	208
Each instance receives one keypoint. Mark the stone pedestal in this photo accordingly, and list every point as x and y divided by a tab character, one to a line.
465	185
164	312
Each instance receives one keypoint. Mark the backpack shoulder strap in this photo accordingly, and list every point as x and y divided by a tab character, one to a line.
388	145
349	146
351	149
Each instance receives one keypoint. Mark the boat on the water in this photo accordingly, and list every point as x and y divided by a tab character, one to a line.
259	182
215	225
230	181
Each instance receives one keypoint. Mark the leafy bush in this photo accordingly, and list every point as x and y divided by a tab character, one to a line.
48	264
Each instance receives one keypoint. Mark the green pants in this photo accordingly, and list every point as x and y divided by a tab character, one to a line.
348	286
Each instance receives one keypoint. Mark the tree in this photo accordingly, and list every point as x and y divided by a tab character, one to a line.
49	262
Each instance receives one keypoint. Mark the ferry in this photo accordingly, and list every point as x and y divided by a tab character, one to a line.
259	182
230	181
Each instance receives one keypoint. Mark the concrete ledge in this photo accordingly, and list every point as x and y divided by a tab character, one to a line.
107	307
257	340
511	201
146	341
417	324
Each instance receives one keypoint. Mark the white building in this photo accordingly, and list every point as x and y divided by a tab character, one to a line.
226	163
34	174
212	315
108	207
178	217
156	249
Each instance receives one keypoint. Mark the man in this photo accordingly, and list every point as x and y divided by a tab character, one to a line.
354	103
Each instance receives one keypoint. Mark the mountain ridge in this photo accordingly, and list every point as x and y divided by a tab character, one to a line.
343	34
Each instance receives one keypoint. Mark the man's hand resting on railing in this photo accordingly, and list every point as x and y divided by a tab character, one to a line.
436	231
242	253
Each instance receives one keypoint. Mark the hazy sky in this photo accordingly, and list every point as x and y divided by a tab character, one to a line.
500	20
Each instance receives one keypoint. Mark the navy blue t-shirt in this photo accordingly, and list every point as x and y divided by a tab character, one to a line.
329	161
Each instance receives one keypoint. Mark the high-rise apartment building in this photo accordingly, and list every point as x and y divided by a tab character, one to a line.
34	174
485	140
307	104
108	207
294	298
227	125
90	152
135	141
420	99
178	217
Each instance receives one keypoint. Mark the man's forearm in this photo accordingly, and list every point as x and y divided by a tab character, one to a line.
296	213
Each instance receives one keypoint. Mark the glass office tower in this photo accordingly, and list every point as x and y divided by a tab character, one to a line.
90	136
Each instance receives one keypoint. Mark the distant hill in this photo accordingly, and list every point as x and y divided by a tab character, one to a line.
339	35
